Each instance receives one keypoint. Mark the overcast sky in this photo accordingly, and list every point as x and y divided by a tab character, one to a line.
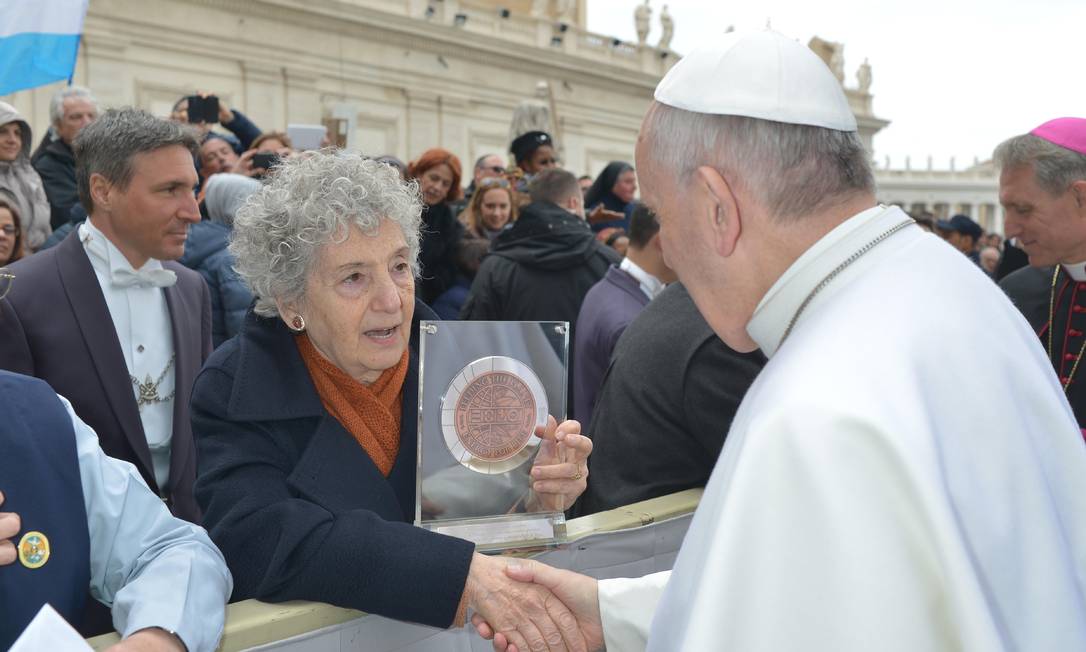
954	77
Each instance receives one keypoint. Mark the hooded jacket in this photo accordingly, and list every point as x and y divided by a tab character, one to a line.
21	182
539	269
206	252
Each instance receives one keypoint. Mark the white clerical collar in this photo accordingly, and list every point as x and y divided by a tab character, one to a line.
1076	271
107	259
650	285
779	305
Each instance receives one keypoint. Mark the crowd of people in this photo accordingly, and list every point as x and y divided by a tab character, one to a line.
210	345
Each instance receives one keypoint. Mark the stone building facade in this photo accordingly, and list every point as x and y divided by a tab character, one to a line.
388	76
400	76
973	191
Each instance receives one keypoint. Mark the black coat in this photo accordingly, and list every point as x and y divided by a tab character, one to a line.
1012	260
667	401
441	233
1030	289
540	269
56	167
297	507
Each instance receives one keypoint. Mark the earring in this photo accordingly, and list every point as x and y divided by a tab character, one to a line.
298	324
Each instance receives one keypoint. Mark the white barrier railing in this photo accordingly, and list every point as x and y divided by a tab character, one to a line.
625	542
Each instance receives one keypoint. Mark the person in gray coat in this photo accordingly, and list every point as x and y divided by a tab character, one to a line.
18	180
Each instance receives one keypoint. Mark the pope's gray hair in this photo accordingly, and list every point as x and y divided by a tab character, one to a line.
1055	168
792	170
312	200
56	103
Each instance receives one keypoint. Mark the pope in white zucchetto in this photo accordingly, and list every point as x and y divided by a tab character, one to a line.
905	474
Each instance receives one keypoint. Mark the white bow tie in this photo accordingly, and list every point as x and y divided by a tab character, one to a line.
159	278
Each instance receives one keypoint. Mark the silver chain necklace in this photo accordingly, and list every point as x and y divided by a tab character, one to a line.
837	270
147	391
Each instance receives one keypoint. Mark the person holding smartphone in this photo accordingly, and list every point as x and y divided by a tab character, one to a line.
271	149
205	110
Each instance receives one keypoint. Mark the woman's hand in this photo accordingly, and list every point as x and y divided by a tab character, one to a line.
560	470
524	614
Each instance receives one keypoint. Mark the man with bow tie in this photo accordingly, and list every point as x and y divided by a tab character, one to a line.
106	317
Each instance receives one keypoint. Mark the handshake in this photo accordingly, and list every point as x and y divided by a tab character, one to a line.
525	606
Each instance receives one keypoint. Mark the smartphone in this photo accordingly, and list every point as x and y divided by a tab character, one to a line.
265	160
203	109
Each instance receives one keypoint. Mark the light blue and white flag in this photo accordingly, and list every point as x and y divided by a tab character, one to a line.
38	41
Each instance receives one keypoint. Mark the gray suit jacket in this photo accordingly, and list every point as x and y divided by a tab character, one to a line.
55	325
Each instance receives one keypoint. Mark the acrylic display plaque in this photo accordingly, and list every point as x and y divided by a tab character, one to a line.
484	389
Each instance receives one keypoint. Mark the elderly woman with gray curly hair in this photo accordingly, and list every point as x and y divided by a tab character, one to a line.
305	426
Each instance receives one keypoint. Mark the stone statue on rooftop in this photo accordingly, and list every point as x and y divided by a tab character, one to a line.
533	114
667	27
563	10
837	62
642	18
863	76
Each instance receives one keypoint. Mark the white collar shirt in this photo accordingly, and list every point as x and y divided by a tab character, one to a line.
1077	271
779	305
650	285
145	333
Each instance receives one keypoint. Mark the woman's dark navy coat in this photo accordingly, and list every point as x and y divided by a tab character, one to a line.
296	505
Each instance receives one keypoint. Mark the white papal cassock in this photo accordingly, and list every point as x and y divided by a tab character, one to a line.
905	474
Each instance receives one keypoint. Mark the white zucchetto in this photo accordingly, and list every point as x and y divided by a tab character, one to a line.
762	75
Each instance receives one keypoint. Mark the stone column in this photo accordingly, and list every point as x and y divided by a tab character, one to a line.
423	125
303	101
453	115
108	73
263	95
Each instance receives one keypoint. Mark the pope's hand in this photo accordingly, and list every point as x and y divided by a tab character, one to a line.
10	524
578	593
560	470
526	616
149	640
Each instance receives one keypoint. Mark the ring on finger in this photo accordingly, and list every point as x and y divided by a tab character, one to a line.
576	476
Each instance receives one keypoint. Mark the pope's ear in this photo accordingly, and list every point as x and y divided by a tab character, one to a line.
720	208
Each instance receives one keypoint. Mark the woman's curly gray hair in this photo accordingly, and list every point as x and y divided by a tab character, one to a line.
311	201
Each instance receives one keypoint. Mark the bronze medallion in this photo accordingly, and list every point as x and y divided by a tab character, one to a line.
495	416
489	414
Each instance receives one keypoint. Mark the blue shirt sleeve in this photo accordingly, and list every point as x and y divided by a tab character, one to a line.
154	570
242	127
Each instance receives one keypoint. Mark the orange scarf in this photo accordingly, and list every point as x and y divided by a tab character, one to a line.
371	413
